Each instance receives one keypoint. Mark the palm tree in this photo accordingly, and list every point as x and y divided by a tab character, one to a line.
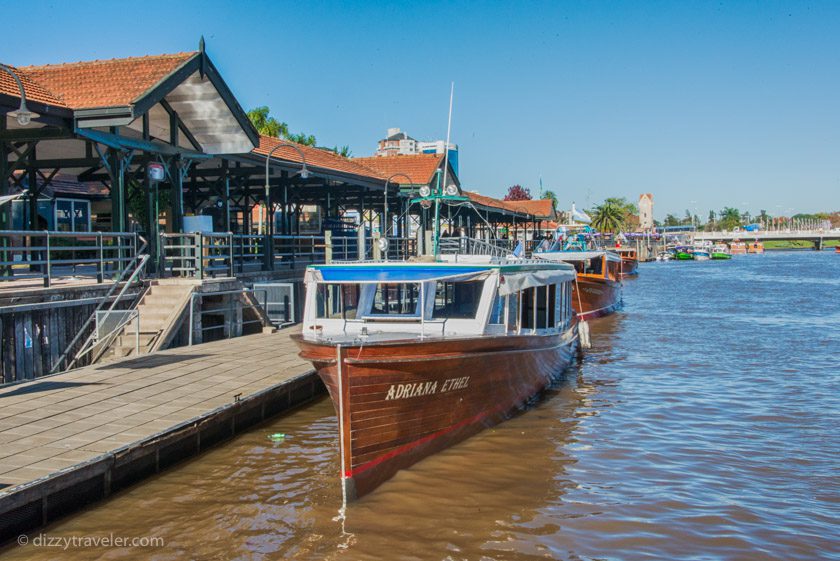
608	218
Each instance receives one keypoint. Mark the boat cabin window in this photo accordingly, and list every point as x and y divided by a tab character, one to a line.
497	312
593	266
457	300
544	307
396	299
337	301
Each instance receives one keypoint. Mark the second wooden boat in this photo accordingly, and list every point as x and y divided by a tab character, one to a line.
597	289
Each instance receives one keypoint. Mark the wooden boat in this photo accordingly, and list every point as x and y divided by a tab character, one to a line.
837	249
597	289
737	247
629	260
419	356
755	247
720	251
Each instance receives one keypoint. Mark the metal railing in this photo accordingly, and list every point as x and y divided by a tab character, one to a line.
472	246
228	310
135	267
27	254
209	255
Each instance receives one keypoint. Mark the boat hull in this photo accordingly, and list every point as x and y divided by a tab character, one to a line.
718	255
594	297
401	401
629	266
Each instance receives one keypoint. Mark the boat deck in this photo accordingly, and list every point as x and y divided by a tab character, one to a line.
68	439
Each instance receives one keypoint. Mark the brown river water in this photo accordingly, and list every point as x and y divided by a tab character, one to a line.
703	424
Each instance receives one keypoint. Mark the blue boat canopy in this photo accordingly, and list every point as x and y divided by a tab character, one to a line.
392	274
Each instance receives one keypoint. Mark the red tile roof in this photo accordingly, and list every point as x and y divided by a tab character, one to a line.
420	168
33	90
540	208
105	83
315	157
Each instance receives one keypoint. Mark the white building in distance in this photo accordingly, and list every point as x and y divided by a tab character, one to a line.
646	212
398	143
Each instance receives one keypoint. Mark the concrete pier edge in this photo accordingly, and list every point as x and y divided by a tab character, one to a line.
37	503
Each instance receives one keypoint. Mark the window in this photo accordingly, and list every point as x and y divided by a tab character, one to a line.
497	312
527	319
72	215
457	300
396	299
337	301
553	307
542	306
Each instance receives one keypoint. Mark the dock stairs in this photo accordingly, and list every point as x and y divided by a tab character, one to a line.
160	313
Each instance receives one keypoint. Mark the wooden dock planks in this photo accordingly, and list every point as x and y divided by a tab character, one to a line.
103	423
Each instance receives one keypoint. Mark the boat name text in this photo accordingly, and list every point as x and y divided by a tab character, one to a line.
403	391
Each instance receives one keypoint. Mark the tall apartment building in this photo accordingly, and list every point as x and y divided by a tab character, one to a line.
397	143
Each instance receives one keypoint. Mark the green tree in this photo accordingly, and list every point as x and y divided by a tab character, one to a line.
671	220
343	151
267	125
550	195
608	218
729	218
302	138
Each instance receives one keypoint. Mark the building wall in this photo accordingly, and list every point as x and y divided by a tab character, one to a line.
646	211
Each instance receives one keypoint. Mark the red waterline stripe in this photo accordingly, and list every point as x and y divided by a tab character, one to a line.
429	437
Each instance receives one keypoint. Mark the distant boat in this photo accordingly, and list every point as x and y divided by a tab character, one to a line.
683	253
755	247
720	251
837	249
629	260
702	251
737	247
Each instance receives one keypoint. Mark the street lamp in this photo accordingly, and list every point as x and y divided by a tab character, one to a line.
385	214
23	115
304	172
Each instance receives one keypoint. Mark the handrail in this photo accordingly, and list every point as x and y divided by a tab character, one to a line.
92	337
42	252
143	259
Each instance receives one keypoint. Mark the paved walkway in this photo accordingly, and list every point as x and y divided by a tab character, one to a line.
57	422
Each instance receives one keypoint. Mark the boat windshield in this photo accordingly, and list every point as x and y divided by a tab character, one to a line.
457	300
399	301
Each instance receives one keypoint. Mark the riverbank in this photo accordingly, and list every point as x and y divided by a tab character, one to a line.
798	244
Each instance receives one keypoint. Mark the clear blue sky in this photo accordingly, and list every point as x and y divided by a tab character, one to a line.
704	104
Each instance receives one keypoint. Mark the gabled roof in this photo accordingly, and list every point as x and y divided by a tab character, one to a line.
420	168
315	157
105	83
34	91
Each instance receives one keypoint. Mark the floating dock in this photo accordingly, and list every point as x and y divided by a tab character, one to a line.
74	438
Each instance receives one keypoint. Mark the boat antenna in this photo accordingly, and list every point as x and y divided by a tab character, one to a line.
442	187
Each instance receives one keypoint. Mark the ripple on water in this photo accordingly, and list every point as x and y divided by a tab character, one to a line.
703	424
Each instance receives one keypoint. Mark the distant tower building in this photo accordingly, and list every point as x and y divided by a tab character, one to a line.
398	143
646	212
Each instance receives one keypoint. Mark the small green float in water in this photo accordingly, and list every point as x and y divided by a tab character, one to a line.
277	437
